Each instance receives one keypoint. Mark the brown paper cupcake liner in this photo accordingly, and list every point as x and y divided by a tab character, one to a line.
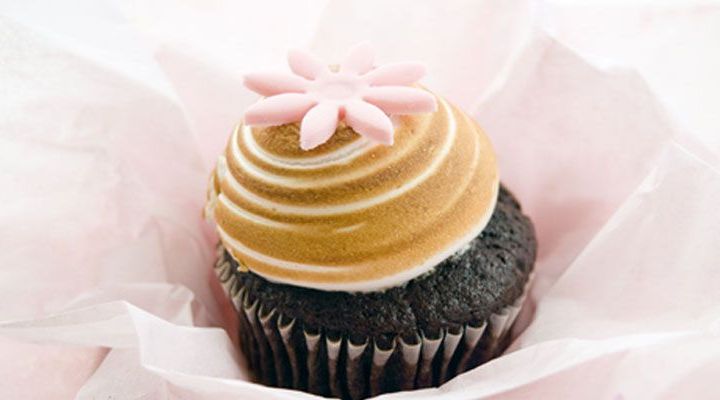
282	353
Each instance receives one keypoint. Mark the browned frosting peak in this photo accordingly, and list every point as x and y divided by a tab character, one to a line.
352	215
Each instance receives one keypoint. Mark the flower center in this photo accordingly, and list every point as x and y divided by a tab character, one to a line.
338	87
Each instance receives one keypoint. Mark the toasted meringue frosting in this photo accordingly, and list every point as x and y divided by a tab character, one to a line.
353	215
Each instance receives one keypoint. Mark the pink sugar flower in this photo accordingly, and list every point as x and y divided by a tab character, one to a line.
320	97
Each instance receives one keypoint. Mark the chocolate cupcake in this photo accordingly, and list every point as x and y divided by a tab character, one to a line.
365	255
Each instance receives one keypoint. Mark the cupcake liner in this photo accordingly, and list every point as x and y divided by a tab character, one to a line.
283	353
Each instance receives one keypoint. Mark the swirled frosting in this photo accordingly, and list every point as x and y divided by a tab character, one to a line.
353	215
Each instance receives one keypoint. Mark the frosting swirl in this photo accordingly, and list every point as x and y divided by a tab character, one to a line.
353	215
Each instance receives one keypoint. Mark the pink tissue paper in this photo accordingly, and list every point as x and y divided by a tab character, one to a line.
112	114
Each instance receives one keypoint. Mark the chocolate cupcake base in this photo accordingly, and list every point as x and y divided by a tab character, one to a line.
420	335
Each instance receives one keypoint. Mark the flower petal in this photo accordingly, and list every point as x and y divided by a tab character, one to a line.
318	125
305	64
401	99
359	59
403	73
280	109
369	121
272	83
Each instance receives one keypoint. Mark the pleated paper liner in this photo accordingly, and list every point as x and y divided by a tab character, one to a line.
282	353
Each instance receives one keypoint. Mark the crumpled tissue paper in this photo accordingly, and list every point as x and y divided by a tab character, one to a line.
112	114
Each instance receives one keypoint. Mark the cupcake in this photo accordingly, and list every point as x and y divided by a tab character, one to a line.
366	241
